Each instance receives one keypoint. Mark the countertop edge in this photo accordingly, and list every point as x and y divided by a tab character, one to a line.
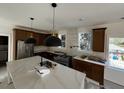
90	61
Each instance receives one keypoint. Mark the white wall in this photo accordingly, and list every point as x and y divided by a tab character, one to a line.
6	30
113	30
72	40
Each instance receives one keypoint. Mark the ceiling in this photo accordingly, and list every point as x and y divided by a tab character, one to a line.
68	15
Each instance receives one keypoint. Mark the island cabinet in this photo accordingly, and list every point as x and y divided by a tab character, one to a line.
93	71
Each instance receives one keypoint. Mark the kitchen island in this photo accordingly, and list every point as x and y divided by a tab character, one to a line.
24	76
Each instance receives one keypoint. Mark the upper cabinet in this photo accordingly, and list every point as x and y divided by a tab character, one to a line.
23	35
98	39
40	38
20	34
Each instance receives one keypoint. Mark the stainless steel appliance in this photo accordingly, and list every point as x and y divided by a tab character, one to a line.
24	49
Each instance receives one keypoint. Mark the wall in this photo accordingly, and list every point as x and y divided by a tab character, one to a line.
72	40
113	30
6	30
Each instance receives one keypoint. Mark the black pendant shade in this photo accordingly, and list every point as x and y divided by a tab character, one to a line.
30	40
52	41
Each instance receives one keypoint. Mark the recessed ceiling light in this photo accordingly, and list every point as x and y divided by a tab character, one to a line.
122	18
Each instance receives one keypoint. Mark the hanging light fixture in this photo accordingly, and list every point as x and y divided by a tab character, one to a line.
53	40
31	40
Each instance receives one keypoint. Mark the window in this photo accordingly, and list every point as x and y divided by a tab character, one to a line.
85	41
63	39
116	52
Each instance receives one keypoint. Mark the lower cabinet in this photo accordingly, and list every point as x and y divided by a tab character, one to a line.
98	73
93	71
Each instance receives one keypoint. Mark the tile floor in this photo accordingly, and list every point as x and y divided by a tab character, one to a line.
4	84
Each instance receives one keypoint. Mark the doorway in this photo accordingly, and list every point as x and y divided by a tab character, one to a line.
3	50
3	57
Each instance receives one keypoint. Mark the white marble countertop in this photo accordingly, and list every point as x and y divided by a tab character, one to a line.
61	77
90	61
79	58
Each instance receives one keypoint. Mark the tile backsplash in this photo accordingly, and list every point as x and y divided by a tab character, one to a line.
40	48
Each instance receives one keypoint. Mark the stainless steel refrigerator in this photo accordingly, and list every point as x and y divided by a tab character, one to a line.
24	50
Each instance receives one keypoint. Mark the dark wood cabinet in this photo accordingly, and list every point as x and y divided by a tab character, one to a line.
20	34
98	39
82	66
23	35
93	71
40	38
98	73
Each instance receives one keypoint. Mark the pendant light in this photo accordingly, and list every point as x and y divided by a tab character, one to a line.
52	41
31	40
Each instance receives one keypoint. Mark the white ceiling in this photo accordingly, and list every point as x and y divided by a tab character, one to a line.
67	15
